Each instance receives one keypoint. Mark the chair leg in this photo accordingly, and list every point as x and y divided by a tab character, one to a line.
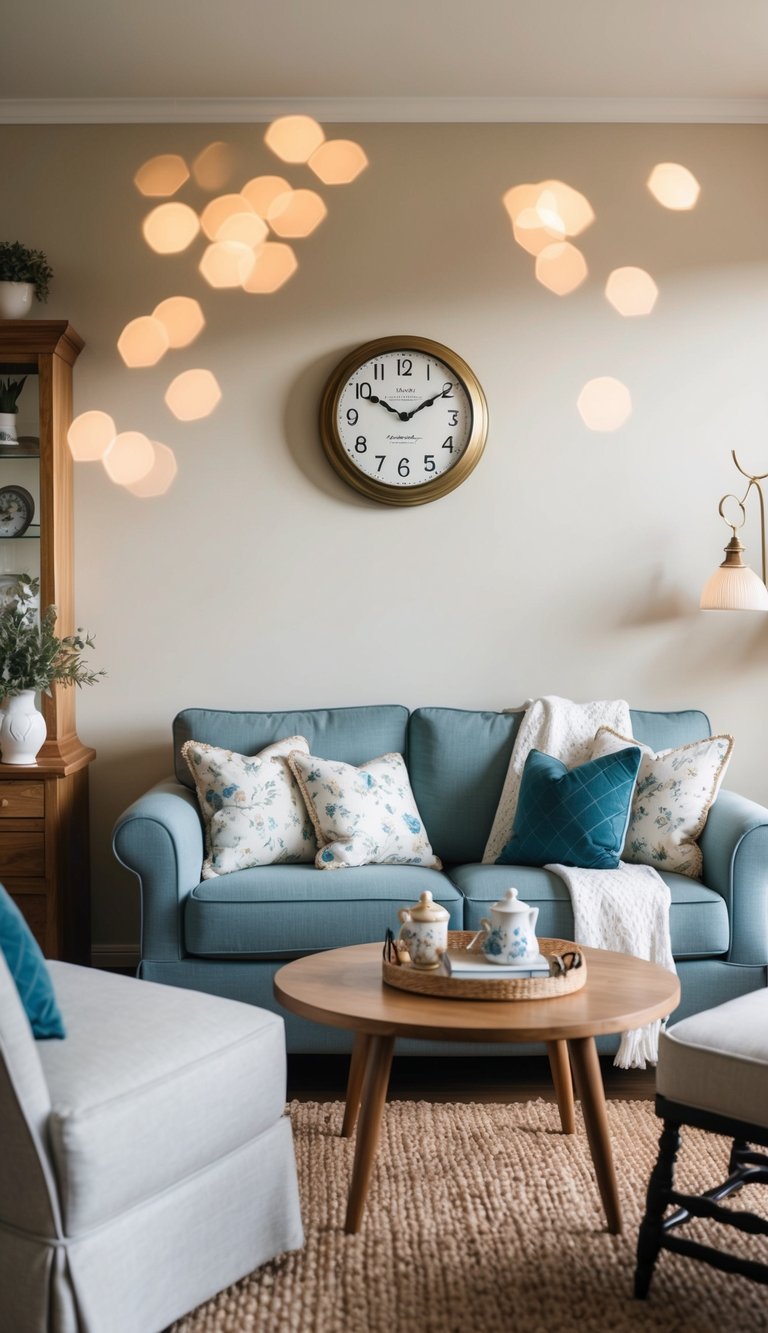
652	1225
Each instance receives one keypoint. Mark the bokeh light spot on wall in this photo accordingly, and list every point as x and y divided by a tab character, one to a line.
520	197
631	291
193	394
218	210
674	186
227	263
275	264
90	435
604	403
338	161
561	268
571	206
245	228
532	234
129	457
213	167
294	138
162	175
296	213
262	191
143	341
182	318
160	476
170	228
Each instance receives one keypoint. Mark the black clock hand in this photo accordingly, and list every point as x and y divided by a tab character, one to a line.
402	415
427	403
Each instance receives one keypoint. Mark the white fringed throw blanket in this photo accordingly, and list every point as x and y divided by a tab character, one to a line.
627	909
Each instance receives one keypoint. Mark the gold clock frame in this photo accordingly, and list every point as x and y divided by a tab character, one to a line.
380	490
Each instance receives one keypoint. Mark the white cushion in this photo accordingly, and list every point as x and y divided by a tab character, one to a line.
151	1084
251	805
673	794
363	815
718	1060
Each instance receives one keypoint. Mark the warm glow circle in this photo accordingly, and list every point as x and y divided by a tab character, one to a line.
170	228
182	319
275	264
162	175
531	233
296	213
193	394
244	228
572	208
227	264
294	138
631	291
561	268
215	214
160	476
90	435
338	161
129	457
674	186
212	167
262	191
143	341
604	403
520	197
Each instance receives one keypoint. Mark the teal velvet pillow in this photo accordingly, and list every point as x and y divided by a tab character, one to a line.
26	965
573	817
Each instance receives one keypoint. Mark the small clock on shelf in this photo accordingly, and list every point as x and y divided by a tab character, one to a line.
17	509
403	420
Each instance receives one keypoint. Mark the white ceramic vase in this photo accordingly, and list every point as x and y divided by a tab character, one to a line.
22	729
8	428
16	299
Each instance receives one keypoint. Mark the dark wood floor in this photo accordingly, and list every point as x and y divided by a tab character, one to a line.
321	1078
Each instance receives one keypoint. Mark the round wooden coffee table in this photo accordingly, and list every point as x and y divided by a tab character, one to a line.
343	988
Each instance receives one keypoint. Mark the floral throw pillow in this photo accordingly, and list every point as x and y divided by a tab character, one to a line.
363	816
674	792
252	808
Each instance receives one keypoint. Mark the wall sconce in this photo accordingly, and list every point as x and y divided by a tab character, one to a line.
734	586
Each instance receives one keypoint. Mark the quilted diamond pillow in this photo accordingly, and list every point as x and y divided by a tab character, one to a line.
252	808
572	817
674	792
363	816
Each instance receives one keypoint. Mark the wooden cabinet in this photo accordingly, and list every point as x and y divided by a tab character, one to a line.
44	862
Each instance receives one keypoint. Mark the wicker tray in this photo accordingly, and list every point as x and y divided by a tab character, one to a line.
406	977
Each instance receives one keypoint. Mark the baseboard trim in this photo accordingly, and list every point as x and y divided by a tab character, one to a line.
114	955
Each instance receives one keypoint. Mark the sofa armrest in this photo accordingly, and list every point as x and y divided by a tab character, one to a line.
160	839
735	847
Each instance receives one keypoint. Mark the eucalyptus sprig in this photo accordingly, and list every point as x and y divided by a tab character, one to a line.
20	264
9	393
32	656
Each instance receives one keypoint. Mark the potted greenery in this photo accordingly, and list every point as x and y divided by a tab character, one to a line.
9	406
24	273
32	659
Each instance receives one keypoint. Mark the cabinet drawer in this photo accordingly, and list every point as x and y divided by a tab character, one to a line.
22	800
22	854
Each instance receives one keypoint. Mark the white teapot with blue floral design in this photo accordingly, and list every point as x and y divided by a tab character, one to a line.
424	931
510	935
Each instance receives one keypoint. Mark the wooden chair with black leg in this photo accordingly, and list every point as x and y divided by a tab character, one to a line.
712	1075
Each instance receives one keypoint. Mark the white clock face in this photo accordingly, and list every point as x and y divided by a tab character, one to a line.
404	418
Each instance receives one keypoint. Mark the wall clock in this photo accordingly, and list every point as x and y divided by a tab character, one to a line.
403	420
17	509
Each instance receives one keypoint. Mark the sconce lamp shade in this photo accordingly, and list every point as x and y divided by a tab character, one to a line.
734	586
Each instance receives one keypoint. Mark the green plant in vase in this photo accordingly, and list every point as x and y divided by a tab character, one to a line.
24	274
34	658
9	406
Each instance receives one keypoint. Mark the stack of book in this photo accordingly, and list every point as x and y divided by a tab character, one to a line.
465	966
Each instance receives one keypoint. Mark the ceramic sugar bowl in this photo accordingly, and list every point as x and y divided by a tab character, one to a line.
510	934
424	931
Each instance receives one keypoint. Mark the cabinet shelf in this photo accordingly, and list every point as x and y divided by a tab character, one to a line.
28	447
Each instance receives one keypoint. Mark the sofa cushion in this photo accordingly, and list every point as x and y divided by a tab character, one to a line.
142	1088
458	760
26	964
289	910
717	1060
349	734
698	918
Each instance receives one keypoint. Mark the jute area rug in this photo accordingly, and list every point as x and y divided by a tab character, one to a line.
485	1219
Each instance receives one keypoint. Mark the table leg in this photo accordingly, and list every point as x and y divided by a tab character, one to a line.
561	1078
378	1065
355	1084
589	1086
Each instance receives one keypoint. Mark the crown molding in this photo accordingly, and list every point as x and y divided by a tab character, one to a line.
355	110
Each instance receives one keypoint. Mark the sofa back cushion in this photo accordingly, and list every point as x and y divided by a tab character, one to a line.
352	735
458	760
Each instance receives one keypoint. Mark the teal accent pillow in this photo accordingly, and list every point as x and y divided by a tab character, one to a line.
573	817
26	965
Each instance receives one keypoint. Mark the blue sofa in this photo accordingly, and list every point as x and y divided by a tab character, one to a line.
228	936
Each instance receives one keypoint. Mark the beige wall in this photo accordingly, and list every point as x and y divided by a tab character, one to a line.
570	562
